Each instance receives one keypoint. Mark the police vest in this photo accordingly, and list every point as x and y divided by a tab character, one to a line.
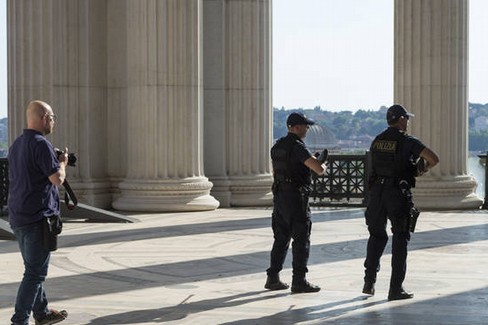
386	157
283	167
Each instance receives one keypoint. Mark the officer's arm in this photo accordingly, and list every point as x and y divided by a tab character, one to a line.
315	165
430	157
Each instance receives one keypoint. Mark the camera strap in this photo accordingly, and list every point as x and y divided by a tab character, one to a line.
69	195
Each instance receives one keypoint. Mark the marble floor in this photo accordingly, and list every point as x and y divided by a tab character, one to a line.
209	268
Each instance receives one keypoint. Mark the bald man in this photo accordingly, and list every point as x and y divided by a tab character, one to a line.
35	172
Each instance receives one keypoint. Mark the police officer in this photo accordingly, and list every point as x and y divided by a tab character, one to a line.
394	155
291	219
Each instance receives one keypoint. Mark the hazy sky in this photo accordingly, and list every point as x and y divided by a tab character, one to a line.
322	54
339	54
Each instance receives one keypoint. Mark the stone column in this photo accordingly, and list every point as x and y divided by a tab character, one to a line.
248	100
161	79
57	54
431	68
30	63
237	71
215	123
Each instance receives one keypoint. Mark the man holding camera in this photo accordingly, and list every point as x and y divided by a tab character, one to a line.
291	219
396	159
35	172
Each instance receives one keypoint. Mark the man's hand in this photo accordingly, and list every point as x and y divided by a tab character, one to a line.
322	156
58	177
317	162
430	158
62	155
421	167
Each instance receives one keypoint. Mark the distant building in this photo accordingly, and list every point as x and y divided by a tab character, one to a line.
4	130
3	137
320	137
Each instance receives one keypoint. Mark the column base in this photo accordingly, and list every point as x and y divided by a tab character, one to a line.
251	191
96	193
446	193
221	190
183	195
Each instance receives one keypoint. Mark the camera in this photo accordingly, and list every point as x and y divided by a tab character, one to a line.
71	157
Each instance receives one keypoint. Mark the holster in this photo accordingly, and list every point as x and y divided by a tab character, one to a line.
52	227
305	191
414	215
414	212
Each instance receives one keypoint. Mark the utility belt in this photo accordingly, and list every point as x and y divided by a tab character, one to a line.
280	178
389	181
286	186
291	186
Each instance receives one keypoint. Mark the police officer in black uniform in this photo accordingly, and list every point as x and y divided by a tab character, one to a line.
291	219
395	164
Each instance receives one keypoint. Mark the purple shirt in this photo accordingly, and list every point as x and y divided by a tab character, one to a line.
31	196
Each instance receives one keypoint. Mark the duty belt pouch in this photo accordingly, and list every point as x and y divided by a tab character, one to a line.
305	191
52	226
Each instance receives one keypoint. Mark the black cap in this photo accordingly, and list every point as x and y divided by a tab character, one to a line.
298	119
395	112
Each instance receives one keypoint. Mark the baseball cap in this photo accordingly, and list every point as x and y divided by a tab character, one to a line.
298	119
395	112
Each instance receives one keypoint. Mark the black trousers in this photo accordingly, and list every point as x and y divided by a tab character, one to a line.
387	202
291	219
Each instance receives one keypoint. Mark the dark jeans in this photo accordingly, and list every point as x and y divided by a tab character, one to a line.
291	219
31	296
387	202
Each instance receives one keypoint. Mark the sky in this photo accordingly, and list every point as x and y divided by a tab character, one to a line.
322	54
339	54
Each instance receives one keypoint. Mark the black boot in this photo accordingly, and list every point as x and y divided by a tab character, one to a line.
303	286
399	294
273	282
368	288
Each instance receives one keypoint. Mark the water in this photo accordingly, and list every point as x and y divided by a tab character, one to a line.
478	172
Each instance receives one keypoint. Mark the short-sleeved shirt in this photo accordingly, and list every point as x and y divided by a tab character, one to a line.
32	196
410	148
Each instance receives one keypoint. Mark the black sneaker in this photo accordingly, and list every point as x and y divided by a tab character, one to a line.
399	295
274	283
368	288
304	287
53	317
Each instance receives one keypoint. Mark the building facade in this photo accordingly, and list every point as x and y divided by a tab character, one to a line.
168	102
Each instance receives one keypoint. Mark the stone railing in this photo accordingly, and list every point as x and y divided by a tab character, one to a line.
344	183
